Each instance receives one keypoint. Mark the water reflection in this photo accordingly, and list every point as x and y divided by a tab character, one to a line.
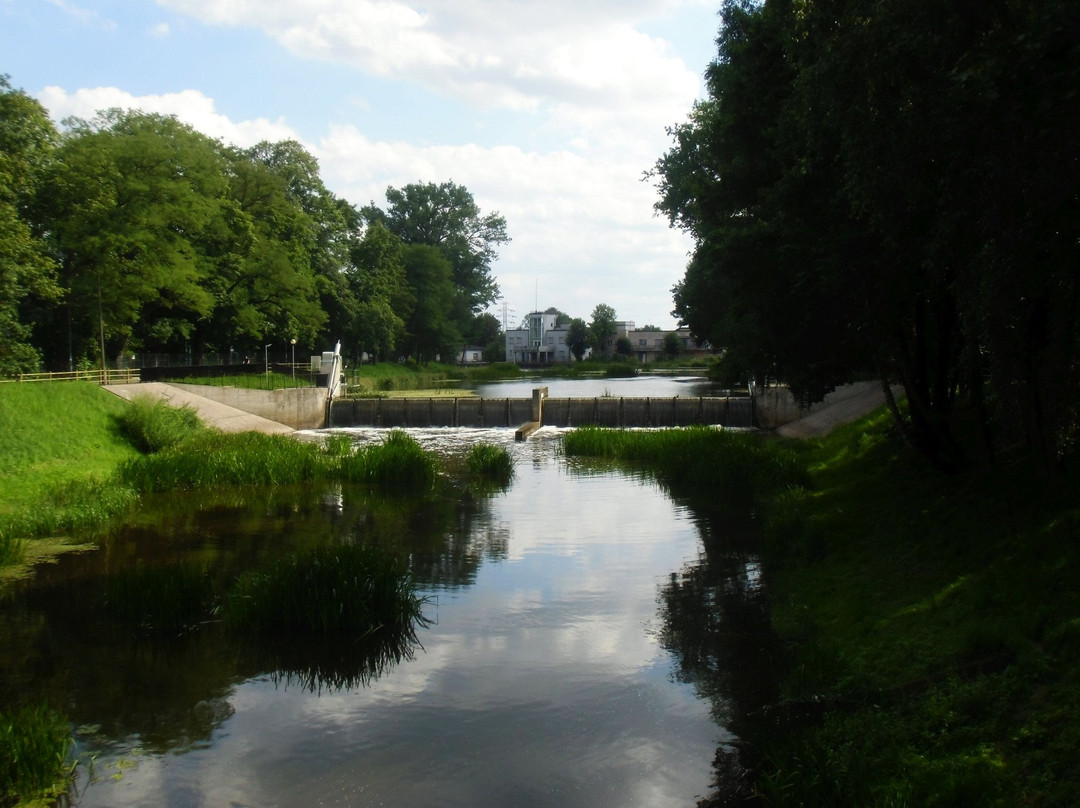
549	677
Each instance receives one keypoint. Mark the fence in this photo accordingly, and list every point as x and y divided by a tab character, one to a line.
109	376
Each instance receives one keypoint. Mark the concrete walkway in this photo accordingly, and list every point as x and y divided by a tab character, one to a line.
213	413
844	405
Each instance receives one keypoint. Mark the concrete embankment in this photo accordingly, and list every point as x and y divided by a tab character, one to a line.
219	414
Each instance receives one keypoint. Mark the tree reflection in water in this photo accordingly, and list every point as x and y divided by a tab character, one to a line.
715	621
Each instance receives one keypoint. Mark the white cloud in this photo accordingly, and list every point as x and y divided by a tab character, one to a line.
190	106
160	30
589	57
83	15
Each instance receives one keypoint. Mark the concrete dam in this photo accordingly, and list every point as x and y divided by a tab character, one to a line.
735	411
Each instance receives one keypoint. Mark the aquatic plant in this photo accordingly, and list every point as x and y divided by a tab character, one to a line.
152	424
11	549
338	445
160	599
736	466
213	459
399	463
490	461
34	746
344	589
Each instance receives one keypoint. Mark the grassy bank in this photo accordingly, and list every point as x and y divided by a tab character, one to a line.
932	622
937	620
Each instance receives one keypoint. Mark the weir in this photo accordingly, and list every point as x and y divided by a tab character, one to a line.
733	411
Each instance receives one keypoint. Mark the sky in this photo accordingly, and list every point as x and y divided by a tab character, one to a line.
549	112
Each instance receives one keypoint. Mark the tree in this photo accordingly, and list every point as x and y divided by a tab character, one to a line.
27	272
445	216
561	317
431	329
127	201
844	222
378	283
623	347
577	338
602	328
672	345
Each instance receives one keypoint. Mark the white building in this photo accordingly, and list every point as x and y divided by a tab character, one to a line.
542	342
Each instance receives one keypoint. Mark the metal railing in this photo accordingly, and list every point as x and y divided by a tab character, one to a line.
97	376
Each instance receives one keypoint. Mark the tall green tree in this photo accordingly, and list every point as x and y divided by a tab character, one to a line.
602	328
577	338
127	200
445	216
378	282
431	329
27	271
889	188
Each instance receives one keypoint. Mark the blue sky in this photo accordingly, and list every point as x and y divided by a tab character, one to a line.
548	111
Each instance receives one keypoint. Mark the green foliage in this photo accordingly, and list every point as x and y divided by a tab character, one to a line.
160	599
931	622
602	328
34	746
735	467
346	590
152	425
52	435
844	224
12	549
215	459
399	463
490	461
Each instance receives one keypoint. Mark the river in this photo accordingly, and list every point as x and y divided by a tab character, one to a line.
592	644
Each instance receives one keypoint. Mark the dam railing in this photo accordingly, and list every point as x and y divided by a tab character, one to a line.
733	411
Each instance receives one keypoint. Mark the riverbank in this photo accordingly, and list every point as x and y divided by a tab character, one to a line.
932	625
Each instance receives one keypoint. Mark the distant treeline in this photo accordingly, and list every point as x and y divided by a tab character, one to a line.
133	232
893	188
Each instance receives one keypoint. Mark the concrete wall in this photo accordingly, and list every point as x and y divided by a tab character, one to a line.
513	412
776	406
298	407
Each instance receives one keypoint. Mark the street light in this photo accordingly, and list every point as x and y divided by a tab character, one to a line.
292	342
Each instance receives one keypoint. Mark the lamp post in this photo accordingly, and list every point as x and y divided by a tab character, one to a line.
292	342
266	364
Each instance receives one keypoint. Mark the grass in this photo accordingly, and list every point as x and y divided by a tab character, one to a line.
52	434
34	746
151	425
937	618
487	461
733	466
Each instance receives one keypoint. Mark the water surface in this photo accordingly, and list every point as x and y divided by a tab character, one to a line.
562	666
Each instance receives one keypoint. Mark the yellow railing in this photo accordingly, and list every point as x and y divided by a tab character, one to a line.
123	376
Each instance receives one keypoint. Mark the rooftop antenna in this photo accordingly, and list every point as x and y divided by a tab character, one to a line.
536	295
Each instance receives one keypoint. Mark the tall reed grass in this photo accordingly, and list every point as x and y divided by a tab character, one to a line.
346	590
34	746
12	549
399	463
735	466
86	504
153	425
490	462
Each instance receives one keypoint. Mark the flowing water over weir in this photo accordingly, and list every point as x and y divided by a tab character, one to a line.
593	642
560	412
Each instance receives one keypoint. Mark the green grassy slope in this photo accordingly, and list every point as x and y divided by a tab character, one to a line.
937	620
54	433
